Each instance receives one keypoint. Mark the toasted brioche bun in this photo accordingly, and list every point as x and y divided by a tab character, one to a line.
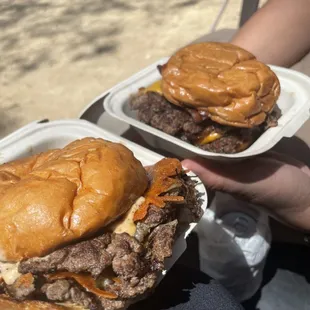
63	195
222	81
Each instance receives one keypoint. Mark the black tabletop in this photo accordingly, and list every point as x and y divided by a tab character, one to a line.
186	288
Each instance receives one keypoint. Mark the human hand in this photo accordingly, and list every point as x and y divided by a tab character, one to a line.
274	181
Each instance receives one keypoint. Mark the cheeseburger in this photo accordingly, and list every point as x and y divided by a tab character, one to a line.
216	96
87	226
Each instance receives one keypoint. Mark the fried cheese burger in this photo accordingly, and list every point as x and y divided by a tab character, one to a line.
216	96
87	226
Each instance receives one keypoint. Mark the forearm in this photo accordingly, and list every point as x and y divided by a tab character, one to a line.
279	33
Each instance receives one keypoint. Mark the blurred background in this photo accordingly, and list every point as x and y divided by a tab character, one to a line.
58	55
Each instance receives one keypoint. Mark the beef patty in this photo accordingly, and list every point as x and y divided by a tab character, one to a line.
153	109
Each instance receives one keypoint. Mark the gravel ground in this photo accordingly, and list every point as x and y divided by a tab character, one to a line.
56	56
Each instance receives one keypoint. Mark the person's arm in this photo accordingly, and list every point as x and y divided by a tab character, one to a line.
278	33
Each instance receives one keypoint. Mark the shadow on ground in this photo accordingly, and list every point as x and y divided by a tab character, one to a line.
8	119
36	32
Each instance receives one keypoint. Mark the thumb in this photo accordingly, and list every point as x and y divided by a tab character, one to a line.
244	178
210	173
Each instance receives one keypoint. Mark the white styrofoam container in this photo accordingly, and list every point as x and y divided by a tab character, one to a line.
294	103
40	136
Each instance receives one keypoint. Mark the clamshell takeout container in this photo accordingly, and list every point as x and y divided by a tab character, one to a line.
294	103
41	136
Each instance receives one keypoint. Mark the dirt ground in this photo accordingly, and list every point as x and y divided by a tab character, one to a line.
58	55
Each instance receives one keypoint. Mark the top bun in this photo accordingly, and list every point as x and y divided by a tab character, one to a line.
222	81
62	195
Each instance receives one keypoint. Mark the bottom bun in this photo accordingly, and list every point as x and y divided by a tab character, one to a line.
7	303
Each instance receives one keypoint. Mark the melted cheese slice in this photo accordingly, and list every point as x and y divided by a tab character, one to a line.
155	87
126	223
210	138
9	272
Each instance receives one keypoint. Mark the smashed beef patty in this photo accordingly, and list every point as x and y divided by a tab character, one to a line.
132	263
153	109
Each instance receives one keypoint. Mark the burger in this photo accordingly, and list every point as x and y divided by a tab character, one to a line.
216	96
88	227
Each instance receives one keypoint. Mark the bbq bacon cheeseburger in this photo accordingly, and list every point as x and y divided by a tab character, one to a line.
87	226
216	96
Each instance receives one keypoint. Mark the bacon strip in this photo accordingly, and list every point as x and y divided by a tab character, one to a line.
163	179
25	280
86	281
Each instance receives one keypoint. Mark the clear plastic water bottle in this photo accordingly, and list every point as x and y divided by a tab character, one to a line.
234	240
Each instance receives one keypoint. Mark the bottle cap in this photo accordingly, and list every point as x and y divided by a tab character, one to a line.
242	224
